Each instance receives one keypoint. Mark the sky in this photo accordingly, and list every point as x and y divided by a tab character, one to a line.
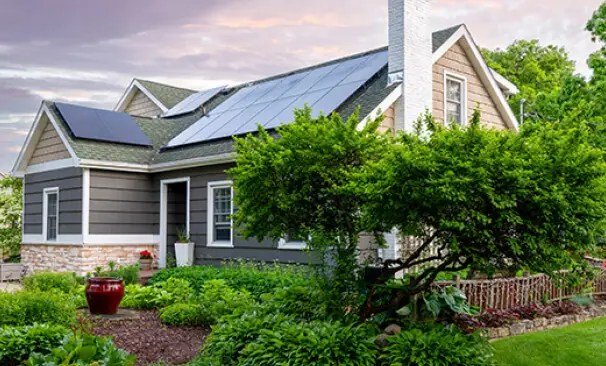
88	52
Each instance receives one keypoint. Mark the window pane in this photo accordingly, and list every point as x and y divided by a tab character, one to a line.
453	90
453	113
51	230
51	216
222	207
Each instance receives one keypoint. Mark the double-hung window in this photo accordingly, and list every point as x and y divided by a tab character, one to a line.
455	100
51	214
220	209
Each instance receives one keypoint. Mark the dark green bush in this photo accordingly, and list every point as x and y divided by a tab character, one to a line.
84	350
439	346
27	308
220	299
17	343
256	278
233	333
305	303
186	315
51	281
314	343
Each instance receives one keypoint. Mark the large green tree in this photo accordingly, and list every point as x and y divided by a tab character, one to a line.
11	190
483	198
536	70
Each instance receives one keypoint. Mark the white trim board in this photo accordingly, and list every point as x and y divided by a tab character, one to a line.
164	213
61	239
130	93
121	239
382	107
85	204
464	97
51	165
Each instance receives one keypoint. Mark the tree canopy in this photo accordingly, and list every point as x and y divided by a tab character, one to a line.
11	189
483	198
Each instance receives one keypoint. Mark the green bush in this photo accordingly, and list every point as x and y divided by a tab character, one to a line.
185	315
27	308
314	343
305	303
17	343
161	294
220	299
438	346
233	333
51	281
84	350
129	274
256	278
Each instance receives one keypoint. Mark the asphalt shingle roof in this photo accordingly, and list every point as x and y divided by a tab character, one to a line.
161	130
166	94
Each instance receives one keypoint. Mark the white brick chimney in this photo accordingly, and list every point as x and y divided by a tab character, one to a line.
410	58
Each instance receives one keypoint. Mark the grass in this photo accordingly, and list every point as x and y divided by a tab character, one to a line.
578	344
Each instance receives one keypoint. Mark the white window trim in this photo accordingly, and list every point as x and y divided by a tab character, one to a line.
210	232
448	75
46	192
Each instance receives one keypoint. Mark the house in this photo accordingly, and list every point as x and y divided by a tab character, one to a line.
104	185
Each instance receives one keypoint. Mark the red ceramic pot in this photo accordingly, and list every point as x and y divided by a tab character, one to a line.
104	295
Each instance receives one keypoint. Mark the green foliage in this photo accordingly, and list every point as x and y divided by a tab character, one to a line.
219	299
582	300
129	274
27	308
233	333
538	71
437	347
304	303
185	315
183	235
162	294
314	343
17	343
51	281
11	196
84	350
447	302
256	278
297	184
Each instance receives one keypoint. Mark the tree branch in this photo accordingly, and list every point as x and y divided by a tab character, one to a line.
420	250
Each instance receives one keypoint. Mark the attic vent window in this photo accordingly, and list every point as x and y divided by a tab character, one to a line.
455	100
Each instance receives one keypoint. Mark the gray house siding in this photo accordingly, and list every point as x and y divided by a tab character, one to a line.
69	182
123	203
246	249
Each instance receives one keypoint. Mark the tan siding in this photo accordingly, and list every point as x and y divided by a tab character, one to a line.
389	123
49	147
142	106
456	61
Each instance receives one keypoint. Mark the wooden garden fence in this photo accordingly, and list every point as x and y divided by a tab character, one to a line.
505	293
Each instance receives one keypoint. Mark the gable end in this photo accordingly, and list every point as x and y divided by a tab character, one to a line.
49	146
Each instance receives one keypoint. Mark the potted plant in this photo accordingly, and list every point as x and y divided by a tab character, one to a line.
184	248
145	260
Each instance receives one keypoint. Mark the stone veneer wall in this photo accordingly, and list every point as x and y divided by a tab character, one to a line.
79	258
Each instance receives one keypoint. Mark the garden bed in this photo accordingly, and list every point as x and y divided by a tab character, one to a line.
151	341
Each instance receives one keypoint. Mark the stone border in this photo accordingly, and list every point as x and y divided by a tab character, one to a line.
539	324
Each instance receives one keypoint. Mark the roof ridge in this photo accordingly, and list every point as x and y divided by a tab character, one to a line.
163	84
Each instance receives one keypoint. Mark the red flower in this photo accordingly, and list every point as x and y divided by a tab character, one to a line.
145	255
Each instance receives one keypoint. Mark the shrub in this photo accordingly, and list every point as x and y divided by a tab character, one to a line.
315	343
17	343
220	299
305	303
84	350
129	274
439	346
256	278
233	333
27	308
185	315
51	281
162	294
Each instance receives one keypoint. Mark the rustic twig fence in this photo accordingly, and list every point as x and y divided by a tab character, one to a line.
505	293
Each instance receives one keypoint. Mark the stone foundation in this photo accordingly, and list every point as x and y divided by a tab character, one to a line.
79	258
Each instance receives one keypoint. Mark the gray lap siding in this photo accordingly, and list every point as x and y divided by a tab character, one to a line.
69	182
129	203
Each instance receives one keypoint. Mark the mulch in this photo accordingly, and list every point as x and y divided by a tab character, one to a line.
151	341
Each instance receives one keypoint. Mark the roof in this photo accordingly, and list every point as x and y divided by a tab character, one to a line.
168	95
161	130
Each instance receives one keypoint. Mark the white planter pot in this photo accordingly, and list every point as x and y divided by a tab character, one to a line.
184	254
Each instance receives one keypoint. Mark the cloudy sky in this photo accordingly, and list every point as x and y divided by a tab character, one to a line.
87	52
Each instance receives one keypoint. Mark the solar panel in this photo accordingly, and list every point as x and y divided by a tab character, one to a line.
193	102
272	103
102	125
